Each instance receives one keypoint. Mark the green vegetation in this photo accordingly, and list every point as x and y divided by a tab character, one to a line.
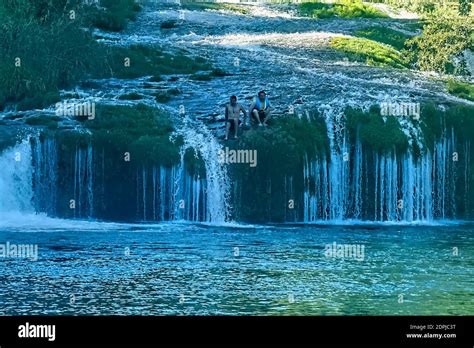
375	132
166	96
136	61
200	6
142	131
131	96
423	7
42	51
282	145
435	120
65	51
384	35
442	42
342	9
114	14
369	52
47	121
461	89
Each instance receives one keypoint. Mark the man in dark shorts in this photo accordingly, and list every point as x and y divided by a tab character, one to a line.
261	109
232	117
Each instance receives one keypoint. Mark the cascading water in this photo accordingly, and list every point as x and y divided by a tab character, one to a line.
38	176
383	187
16	176
216	186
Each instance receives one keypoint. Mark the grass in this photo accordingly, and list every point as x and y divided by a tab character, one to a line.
65	51
341	9
201	6
138	60
384	35
166	96
131	96
48	121
115	14
141	130
201	77
369	52
374	132
461	89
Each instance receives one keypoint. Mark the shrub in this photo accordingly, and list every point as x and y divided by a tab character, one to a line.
441	44
115	14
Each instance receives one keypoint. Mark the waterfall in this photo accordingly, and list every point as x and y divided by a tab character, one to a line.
83	192
16	177
399	188
217	187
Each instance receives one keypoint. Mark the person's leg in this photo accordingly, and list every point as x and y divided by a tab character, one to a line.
256	115
227	128
236	128
262	115
267	117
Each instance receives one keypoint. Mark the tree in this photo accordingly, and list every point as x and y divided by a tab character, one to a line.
464	7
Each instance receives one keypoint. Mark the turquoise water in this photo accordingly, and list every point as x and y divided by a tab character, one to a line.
194	269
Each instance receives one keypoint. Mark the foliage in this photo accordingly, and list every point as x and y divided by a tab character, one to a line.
369	52
375	131
441	44
139	129
144	60
192	5
42	51
461	89
384	35
342	9
113	15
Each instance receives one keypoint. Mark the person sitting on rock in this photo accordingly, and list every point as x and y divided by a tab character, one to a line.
232	117
261	109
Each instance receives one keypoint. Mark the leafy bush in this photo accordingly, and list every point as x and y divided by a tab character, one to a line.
441	44
115	14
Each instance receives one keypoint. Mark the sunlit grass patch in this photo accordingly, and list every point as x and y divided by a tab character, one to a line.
342	9
369	52
461	89
384	35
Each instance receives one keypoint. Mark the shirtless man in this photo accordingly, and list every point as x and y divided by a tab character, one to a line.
232	115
